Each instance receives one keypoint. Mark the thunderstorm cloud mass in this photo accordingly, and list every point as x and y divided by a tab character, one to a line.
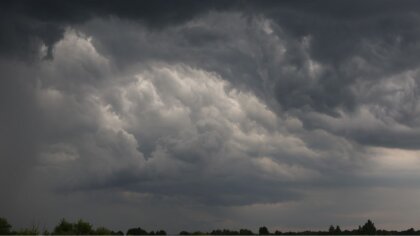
209	114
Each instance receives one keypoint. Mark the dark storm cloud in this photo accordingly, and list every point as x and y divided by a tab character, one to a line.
218	105
27	24
32	23
302	82
383	34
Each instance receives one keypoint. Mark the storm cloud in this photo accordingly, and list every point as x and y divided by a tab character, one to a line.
203	114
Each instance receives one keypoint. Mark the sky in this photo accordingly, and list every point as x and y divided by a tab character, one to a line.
196	115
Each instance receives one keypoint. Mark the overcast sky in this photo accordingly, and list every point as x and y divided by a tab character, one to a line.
195	115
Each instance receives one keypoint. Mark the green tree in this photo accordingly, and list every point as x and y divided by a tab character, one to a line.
337	230
331	229
245	232
161	232
82	228
197	233
64	228
368	228
103	231
4	226
137	231
263	231
216	232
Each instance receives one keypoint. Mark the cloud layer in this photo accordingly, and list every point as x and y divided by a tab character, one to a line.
213	114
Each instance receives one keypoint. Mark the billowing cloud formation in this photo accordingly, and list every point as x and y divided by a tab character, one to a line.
166	129
217	115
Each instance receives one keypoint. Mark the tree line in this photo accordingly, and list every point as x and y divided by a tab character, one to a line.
81	227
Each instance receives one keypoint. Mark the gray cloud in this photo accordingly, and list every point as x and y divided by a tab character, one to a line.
208	111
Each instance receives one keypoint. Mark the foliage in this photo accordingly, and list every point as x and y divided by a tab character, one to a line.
84	228
28	231
103	231
5	227
245	232
161	232
64	228
263	231
231	232
137	231
368	228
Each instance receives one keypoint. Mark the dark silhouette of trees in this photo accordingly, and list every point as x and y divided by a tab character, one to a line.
368	228
245	232
192	233
80	228
105	231
84	228
102	231
137	231
337	230
263	231
231	232
334	230
198	233
161	232
5	227
409	231
64	228
140	231
223	232
331	229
